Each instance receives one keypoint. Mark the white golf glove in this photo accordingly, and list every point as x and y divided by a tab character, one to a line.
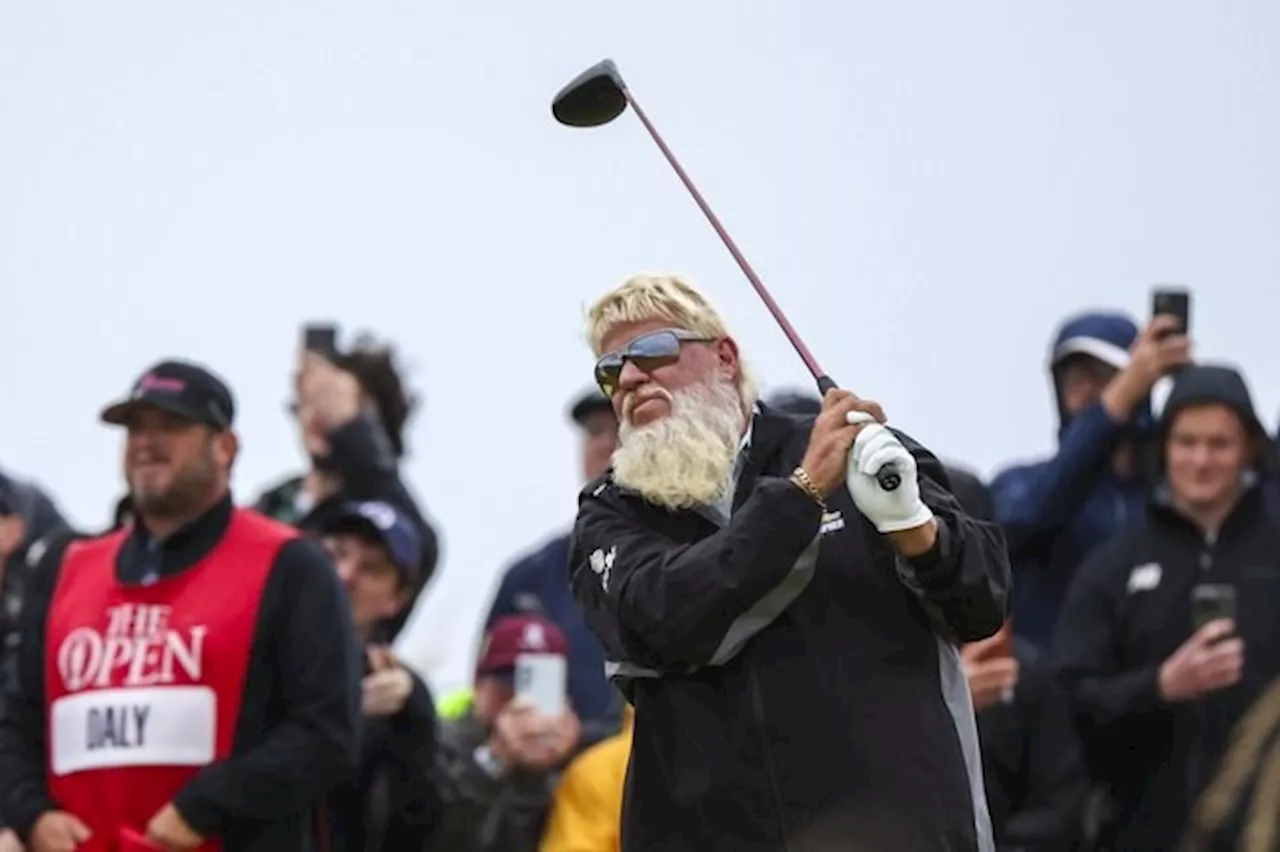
875	447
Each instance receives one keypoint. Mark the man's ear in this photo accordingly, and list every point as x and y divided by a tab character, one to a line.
727	351
226	446
12	531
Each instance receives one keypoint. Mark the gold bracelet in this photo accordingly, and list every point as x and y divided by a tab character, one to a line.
801	478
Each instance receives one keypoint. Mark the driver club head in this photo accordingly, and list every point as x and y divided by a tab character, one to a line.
596	96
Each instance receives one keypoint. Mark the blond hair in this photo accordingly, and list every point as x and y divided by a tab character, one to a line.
671	299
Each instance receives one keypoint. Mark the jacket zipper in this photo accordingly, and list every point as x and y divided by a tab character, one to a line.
757	702
1196	759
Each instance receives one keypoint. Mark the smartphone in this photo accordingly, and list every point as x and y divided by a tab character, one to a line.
1210	602
1174	301
541	681
321	338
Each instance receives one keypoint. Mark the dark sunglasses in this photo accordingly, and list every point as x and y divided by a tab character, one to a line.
648	352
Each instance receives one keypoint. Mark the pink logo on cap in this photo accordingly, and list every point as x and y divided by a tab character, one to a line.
160	383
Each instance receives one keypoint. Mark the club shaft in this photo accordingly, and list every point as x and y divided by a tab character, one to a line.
761	290
887	475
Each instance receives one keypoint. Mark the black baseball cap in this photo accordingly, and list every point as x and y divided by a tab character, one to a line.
188	390
795	402
589	403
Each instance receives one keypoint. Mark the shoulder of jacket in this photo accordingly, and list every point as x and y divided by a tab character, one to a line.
46	545
1018	474
601	488
1115	559
535	558
279	492
78	544
458	734
262	528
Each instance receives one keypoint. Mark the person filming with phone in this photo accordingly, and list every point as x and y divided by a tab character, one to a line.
498	765
351	408
1055	512
1167	637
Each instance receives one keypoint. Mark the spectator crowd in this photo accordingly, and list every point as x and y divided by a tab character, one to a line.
1131	702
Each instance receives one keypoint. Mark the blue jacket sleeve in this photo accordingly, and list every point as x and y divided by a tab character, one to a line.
504	600
1033	503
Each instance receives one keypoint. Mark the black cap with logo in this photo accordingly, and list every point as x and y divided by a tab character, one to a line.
181	388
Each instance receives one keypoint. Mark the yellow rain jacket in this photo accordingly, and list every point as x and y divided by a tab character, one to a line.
587	811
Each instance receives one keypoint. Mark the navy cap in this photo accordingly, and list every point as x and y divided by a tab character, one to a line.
389	526
589	403
187	390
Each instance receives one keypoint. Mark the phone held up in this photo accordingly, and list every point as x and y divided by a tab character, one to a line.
1212	602
322	339
540	681
1175	302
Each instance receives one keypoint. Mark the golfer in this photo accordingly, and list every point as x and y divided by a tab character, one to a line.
785	629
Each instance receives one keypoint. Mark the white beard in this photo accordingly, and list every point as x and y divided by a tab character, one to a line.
686	458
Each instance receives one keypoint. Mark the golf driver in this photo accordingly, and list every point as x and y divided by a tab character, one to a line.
597	96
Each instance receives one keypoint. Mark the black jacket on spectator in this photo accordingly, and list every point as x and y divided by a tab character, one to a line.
362	459
795	681
19	578
299	715
483	810
1130	609
45	526
393	804
1035	778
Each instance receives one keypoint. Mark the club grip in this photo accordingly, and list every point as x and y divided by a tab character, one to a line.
887	476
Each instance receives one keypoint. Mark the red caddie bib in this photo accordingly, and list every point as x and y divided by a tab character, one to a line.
143	683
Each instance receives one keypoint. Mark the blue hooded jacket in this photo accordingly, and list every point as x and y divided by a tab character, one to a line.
1056	512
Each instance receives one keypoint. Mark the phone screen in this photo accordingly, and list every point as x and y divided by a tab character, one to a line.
321	339
1175	302
1211	602
540	682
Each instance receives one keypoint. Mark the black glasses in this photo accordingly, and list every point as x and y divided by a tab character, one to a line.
648	352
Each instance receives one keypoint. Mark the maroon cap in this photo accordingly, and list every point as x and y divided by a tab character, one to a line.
514	635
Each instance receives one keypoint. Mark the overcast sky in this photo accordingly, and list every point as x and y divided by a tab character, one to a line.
928	188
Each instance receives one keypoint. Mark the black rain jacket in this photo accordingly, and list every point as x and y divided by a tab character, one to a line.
1130	608
796	684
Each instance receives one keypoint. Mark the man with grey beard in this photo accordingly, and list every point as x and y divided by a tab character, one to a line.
785	629
191	680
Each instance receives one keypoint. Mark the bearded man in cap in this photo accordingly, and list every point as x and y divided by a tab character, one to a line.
785	628
191	680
